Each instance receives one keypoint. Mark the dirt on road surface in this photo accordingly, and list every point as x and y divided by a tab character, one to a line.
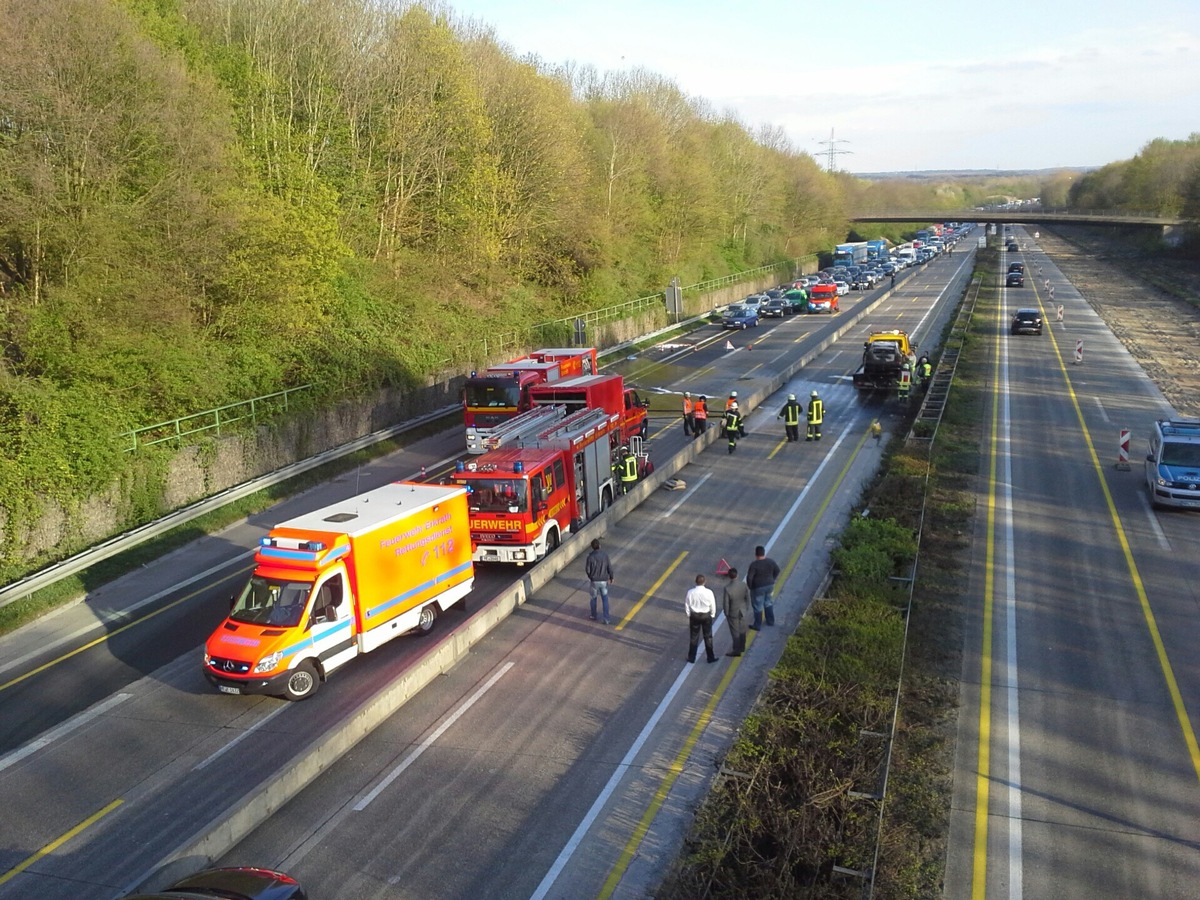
1161	330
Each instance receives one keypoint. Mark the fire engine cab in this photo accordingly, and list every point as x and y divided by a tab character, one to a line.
524	500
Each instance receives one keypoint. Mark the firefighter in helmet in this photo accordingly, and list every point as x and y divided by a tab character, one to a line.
791	418
733	425
816	415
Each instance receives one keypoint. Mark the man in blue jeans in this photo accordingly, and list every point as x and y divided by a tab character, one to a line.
599	572
760	578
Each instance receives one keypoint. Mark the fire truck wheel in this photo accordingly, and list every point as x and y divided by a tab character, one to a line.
303	682
429	614
551	541
605	499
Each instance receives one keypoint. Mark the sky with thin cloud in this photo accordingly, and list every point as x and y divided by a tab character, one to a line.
1012	85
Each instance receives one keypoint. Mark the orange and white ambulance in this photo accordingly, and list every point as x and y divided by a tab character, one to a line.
333	584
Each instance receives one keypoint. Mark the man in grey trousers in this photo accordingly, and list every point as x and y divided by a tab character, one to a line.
737	611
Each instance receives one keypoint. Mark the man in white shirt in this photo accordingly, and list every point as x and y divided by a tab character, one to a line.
701	608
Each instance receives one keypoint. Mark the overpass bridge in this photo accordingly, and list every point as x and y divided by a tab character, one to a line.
1026	215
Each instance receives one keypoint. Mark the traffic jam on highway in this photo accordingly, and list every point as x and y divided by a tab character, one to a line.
557	452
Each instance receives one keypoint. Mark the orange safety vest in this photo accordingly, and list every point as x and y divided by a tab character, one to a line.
701	410
687	406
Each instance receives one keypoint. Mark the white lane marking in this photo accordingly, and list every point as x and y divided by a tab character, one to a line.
804	493
241	737
73	723
1012	687
622	767
429	741
686	496
1154	526
126	613
1103	412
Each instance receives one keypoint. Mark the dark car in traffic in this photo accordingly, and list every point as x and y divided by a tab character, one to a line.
1027	321
1015	279
775	308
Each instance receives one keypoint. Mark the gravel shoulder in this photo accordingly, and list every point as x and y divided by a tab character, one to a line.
1159	323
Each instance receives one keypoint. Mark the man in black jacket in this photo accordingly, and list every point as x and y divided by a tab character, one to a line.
760	578
599	572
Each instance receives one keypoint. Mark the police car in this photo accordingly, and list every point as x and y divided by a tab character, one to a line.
1173	464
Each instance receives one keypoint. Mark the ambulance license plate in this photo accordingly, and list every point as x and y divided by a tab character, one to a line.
225	689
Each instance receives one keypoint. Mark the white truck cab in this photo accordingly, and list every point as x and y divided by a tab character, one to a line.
1173	464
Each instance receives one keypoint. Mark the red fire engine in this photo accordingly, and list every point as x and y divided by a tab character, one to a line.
606	392
502	392
524	500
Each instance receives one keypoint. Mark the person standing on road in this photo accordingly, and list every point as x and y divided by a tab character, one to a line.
629	470
926	373
701	608
893	281
760	578
733	426
689	415
816	415
736	602
732	401
598	568
791	418
700	416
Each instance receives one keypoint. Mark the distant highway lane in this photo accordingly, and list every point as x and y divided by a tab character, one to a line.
1077	771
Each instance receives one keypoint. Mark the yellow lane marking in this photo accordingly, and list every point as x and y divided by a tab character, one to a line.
676	767
1164	662
816	518
673	773
238	573
58	842
778	447
650	593
983	761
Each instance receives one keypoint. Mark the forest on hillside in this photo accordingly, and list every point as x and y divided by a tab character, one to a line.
203	201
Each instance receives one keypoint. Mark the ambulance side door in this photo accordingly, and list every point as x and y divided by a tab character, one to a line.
331	623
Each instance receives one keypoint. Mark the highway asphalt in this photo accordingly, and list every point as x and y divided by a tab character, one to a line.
118	755
1080	670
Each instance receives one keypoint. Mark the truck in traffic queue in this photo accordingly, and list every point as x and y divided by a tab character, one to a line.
502	392
823	298
606	392
884	356
524	500
333	584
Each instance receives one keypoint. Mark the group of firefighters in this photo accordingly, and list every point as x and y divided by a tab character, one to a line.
695	418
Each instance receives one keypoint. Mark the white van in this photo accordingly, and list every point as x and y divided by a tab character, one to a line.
1173	464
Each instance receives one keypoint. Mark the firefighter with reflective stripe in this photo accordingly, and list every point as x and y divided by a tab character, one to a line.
816	415
926	374
689	415
733	426
791	418
628	468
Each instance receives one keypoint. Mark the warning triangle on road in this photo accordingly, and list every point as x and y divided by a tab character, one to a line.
729	345
722	568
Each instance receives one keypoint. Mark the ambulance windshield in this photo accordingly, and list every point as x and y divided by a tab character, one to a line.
498	495
266	601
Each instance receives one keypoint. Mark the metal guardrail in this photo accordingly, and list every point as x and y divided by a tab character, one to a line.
211	419
22	588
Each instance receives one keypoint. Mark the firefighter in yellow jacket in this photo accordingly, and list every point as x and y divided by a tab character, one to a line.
791	418
816	415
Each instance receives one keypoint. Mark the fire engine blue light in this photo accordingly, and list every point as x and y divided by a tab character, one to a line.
518	466
460	466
